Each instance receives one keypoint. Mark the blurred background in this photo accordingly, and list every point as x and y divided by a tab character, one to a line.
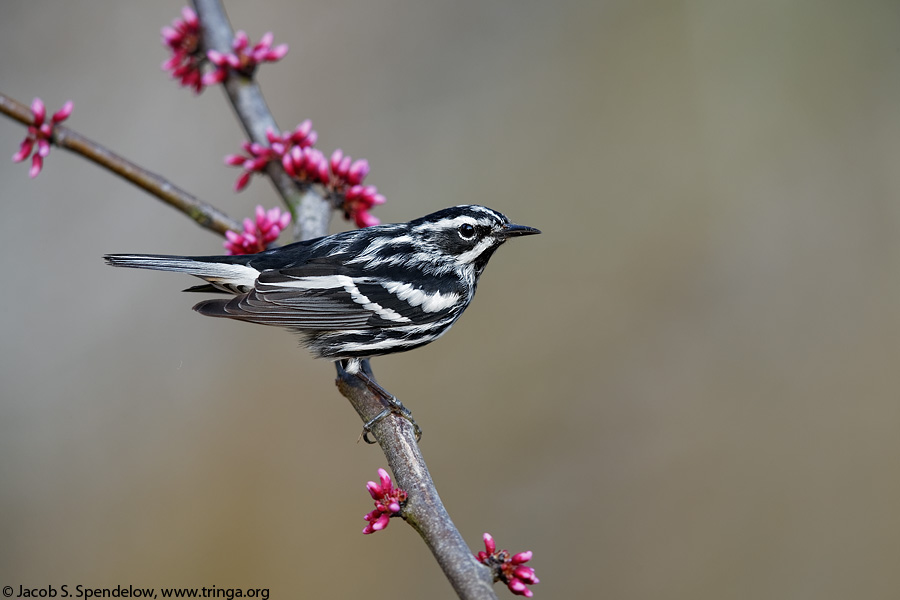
688	387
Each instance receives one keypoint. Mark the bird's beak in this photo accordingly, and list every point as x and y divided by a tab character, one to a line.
512	230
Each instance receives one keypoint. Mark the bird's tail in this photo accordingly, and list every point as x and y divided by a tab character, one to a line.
224	272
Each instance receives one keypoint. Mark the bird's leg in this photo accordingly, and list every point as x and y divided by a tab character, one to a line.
394	406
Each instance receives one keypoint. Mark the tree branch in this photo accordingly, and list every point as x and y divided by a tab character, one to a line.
309	208
204	214
424	510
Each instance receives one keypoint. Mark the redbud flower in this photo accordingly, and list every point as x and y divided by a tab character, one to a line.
40	133
306	164
341	176
243	60
357	202
280	147
510	569
258	156
258	234
346	177
388	501
183	39
346	171
304	135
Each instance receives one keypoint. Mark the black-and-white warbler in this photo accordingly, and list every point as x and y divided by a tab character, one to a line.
357	294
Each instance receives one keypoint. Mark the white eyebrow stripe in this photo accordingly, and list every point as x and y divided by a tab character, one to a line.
330	282
454	222
434	302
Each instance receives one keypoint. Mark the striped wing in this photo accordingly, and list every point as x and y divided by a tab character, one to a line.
317	296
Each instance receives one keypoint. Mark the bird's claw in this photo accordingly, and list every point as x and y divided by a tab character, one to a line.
394	407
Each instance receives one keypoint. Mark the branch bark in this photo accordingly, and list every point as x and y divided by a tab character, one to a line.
424	510
309	208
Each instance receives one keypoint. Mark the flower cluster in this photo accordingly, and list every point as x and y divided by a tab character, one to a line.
40	133
341	175
280	146
183	39
508	568
243	60
258	156
347	177
388	502
258	234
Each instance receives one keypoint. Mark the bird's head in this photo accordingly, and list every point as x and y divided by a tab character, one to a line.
465	237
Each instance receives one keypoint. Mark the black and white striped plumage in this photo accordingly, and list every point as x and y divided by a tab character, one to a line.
356	294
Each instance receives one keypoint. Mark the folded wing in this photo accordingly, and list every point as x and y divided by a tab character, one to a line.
317	297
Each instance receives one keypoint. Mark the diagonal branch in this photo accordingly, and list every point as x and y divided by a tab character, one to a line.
310	209
204	214
424	510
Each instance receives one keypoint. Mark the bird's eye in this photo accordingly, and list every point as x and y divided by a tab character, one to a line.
466	231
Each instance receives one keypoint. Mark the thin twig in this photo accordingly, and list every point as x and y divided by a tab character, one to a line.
204	214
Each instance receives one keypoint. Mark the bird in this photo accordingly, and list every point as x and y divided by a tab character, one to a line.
356	294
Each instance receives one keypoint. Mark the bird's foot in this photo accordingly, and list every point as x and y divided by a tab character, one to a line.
360	370
394	407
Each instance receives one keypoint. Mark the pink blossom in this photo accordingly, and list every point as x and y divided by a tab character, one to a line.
41	134
183	39
510	569
292	148
306	164
357	202
346	179
341	176
346	170
388	502
258	233
258	156
242	59
303	135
